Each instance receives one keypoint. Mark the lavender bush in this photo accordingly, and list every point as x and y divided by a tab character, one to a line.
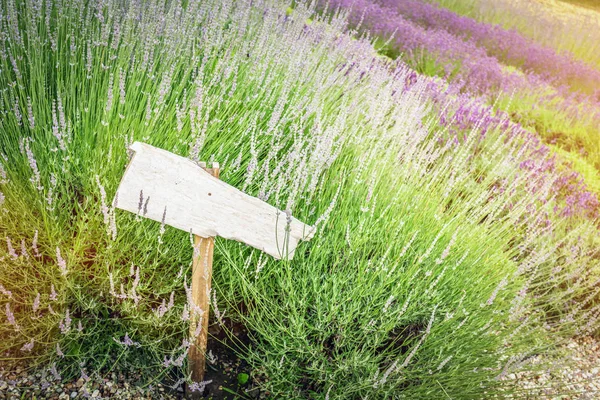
564	118
444	255
557	25
507	46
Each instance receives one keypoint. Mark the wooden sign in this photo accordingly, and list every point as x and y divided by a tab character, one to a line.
172	189
158	183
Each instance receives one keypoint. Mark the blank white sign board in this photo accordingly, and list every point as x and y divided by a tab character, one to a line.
196	201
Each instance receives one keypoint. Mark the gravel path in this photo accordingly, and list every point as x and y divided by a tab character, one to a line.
575	376
19	384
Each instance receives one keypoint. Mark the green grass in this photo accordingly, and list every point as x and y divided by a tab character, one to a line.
431	254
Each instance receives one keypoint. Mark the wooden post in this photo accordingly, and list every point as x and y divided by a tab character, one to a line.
201	283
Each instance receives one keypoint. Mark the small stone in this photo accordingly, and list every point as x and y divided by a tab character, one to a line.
73	395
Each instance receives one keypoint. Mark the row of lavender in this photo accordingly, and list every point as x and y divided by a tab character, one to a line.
508	46
473	55
350	139
461	112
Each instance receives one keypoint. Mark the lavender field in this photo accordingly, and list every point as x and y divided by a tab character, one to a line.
446	154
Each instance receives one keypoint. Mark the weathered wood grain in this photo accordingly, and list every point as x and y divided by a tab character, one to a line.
158	183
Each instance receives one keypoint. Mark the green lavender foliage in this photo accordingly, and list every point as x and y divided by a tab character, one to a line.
423	280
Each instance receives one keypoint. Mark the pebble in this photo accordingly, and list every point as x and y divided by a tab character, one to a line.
574	377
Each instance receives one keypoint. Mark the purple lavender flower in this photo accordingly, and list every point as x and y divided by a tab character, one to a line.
507	45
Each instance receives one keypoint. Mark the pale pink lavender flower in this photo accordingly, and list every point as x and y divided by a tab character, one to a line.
3	176
416	347
11	317
388	303
177	385
36	179
446	251
148	111
444	362
260	264
133	294
218	313
24	252
15	67
59	351
109	100
36	303
185	314
61	115
65	324
405	306
121	86
498	288
386	374
112	285
30	115
323	218
62	264
49	198
17	111
103	206
171	301
53	294
54	372
5	292
112	226
161	231
34	244
430	249
55	127
161	310
83	375
89	60
198	386
11	250
127	341
28	346
179	115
